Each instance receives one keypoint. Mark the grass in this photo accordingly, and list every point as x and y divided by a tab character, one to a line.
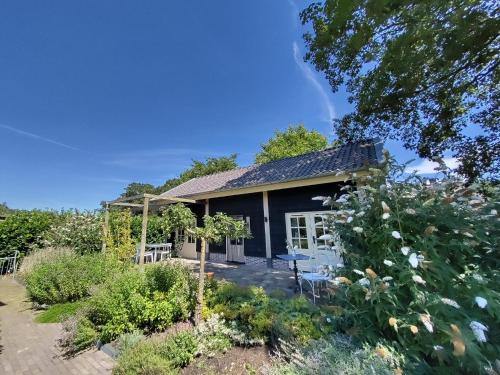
58	312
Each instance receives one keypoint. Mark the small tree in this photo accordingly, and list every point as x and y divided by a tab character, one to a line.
215	229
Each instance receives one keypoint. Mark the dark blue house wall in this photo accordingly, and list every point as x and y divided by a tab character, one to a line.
294	200
247	205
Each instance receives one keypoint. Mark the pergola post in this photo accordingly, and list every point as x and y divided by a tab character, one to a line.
105	228
145	210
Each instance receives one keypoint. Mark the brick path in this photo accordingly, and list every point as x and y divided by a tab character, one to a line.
27	347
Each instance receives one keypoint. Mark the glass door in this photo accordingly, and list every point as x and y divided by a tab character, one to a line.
303	232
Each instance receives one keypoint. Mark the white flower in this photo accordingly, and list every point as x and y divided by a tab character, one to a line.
413	260
396	235
386	215
410	211
319	198
328	320
342	199
481	302
418	280
387	278
349	219
438	347
340	265
494	212
405	250
358	229
327	201
479	329
388	263
477	277
426	320
326	237
361	273
364	281
360	214
450	302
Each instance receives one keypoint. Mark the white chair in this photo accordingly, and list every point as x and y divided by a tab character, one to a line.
165	252
147	255
322	266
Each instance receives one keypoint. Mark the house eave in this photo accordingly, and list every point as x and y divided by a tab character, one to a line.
322	179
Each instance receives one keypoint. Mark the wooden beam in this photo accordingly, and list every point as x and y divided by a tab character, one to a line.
125	204
144	230
173	199
105	228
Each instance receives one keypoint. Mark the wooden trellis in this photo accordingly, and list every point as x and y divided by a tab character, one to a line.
126	202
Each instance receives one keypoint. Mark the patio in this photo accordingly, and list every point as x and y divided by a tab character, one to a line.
271	279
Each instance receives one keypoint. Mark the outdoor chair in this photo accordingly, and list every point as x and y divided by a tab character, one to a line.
147	255
165	252
322	268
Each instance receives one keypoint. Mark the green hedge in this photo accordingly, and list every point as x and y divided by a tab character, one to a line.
23	230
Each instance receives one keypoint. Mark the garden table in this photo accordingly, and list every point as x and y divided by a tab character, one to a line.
294	257
162	247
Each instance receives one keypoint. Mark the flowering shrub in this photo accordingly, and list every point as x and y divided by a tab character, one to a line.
421	268
81	231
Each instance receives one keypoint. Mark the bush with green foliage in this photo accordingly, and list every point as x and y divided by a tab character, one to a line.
156	232
81	231
148	301
158	356
25	230
334	355
78	334
422	269
68	277
119	241
265	319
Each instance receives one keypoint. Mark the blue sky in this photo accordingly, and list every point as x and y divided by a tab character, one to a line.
97	94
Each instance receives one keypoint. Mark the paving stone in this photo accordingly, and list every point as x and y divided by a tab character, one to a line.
30	348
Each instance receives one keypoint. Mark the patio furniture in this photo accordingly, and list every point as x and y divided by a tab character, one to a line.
163	249
147	255
294	257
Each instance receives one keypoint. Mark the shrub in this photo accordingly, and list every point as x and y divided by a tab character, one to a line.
334	355
68	277
78	334
127	341
421	269
262	318
148	301
43	255
119	240
81	231
24	230
158	357
156	232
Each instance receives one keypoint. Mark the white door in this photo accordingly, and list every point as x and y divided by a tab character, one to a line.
189	247
235	248
303	231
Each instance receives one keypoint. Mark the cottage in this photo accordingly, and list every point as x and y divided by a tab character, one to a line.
274	199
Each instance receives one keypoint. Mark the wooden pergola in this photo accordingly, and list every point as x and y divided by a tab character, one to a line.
127	202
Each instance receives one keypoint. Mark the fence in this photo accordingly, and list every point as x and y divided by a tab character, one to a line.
8	265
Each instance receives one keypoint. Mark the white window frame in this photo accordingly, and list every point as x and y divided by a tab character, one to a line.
310	231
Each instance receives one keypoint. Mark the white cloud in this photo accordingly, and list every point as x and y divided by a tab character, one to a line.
426	166
36	136
311	77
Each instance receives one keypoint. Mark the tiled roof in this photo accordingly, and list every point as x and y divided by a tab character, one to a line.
349	157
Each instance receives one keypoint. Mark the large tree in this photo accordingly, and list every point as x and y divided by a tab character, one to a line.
296	140
422	71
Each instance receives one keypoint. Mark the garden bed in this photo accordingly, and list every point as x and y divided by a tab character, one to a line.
236	361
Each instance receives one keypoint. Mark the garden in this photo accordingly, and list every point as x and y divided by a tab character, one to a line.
417	293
